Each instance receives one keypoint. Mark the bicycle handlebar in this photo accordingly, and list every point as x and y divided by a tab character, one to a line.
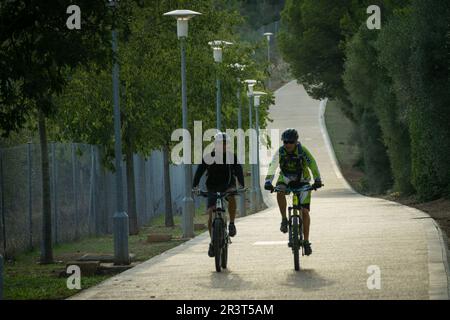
305	188
222	194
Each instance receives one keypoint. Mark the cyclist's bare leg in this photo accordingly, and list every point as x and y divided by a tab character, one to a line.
306	223
282	203
232	208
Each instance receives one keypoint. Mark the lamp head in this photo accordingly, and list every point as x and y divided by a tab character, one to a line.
219	43
237	66
182	16
217	46
250	84
268	35
258	95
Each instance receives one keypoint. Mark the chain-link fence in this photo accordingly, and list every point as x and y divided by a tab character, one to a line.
82	193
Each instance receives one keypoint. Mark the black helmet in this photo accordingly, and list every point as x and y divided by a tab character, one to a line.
289	135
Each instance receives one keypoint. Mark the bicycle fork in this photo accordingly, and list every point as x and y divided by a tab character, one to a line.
224	239
300	229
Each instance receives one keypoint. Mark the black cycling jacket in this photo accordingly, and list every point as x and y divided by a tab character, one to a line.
220	176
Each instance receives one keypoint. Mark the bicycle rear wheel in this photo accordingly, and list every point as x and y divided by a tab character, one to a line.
295	243
217	243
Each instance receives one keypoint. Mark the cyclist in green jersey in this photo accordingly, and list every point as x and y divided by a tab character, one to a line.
295	163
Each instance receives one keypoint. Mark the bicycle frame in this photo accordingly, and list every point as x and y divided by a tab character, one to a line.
294	213
295	221
220	213
220	210
220	240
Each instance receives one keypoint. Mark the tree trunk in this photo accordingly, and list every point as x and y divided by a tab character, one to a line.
46	249
167	192
131	188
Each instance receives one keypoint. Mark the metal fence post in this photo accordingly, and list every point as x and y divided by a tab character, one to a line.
91	191
74	187
144	191
2	204
30	196
54	193
94	189
151	201
1	277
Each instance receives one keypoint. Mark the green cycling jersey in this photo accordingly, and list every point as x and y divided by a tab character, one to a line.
290	166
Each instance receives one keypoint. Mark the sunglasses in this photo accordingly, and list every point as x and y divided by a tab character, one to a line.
288	142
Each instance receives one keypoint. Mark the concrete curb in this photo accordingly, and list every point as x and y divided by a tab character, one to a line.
438	266
438	263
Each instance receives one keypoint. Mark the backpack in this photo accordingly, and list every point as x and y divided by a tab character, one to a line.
286	158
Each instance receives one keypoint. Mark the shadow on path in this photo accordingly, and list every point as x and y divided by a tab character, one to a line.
227	281
306	279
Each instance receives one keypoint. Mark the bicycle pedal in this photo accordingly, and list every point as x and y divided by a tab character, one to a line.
290	245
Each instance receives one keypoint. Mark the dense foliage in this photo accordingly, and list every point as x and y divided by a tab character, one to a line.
59	80
393	83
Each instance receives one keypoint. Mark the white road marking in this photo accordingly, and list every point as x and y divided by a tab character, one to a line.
269	243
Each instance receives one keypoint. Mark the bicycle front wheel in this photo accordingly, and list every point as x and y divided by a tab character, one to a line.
217	243
224	257
296	243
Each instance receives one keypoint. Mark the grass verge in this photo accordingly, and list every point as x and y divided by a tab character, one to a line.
25	278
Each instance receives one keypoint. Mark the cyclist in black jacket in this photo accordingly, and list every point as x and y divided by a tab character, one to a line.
222	170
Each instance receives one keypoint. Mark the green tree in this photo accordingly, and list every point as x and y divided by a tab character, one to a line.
310	42
261	12
150	76
37	49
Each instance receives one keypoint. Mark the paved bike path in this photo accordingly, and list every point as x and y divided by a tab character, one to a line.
349	233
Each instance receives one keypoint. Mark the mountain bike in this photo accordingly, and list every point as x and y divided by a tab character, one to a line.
219	229
295	220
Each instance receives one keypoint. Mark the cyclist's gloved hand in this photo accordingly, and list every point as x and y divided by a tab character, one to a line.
317	183
268	185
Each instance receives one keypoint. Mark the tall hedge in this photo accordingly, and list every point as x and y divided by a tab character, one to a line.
414	49
370	89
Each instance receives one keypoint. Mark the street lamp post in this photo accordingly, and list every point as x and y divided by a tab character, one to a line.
241	136
268	35
183	16
257	97
239	101
250	85
239	68
217	47
120	217
242	209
